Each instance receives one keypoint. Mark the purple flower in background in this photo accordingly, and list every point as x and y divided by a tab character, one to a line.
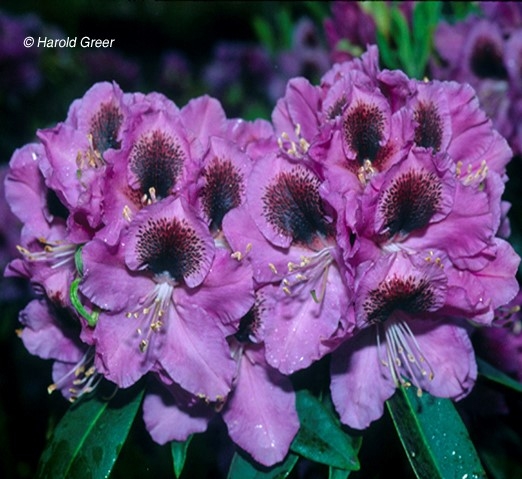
306	57
20	66
111	65
175	76
238	74
349	30
485	52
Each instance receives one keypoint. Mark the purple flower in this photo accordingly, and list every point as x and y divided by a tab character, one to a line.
399	299
51	332
75	161
306	57
501	345
349	30
10	229
175	76
484	52
259	413
20	65
110	63
396	161
287	234
158	292
45	243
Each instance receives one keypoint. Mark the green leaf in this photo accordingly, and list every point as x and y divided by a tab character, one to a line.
435	439
320	437
387	54
241	468
89	437
179	454
426	16
265	33
400	33
493	374
380	12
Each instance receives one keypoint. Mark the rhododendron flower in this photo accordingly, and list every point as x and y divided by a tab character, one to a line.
363	225
259	413
51	332
157	291
485	52
290	233
414	173
406	340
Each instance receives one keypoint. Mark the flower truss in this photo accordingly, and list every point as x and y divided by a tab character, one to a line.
218	257
485	51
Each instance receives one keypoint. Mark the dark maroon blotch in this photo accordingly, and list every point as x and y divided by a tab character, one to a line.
222	191
157	160
410	295
410	202
169	246
292	205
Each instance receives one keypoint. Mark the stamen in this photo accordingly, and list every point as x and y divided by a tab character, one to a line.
404	352
156	304
86	377
309	272
296	150
127	213
56	253
365	172
239	255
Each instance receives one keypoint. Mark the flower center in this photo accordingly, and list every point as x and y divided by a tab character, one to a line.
169	247
410	202
363	130
292	205
222	191
337	108
410	294
428	132
157	161
105	126
486	60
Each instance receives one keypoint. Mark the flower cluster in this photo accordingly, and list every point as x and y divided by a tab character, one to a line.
485	51
217	257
